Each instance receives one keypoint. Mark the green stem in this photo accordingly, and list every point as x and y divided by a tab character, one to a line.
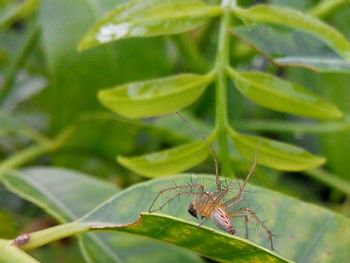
34	151
43	237
18	60
326	7
221	63
23	156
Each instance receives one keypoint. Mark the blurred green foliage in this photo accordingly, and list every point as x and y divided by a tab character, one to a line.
51	114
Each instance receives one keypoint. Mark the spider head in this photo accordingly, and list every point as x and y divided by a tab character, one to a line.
192	210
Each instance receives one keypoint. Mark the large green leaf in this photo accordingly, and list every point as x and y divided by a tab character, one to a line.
298	20
275	154
55	190
155	97
169	161
286	46
281	95
76	78
149	18
307	233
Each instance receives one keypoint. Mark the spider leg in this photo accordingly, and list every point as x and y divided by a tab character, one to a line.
203	221
181	189
211	148
241	214
246	212
238	197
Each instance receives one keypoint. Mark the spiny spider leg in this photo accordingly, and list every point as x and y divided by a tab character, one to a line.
238	197
246	212
178	189
212	151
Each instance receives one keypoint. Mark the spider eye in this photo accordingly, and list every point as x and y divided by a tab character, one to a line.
192	211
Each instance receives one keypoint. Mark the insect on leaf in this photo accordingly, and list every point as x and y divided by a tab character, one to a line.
61	201
311	231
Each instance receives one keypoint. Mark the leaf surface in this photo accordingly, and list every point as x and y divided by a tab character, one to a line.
275	154
169	161
307	233
149	18
155	97
291	47
296	19
55	190
277	94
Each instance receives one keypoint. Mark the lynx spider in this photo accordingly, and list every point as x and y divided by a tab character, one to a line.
212	205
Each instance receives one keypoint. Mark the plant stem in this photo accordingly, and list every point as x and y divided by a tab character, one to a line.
45	236
34	151
326	7
221	63
18	60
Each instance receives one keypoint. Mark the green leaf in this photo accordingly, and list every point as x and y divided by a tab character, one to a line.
300	128
275	154
317	229
124	209
149	18
277	94
298	20
169	161
55	190
9	253
307	233
286	46
16	10
155	97
72	73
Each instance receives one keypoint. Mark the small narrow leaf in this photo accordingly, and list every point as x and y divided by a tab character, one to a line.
275	154
149	18
277	94
155	97
167	162
296	19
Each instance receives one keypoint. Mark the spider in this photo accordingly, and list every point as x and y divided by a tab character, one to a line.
206	205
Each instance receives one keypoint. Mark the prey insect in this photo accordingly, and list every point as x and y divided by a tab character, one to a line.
219	205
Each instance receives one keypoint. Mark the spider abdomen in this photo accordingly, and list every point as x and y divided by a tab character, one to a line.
222	220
